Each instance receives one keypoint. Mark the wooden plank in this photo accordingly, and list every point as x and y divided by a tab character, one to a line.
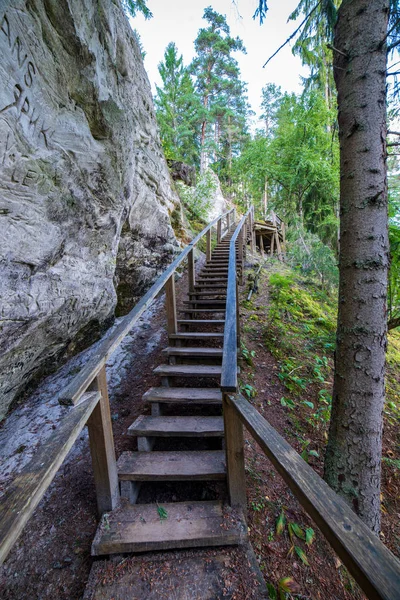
193	351
170	305
220	302
197	426
139	528
188	370
229	361
191	269
219	230
184	394
272	245
208	245
201	321
102	449
29	487
234	449
203	465
374	567
201	310
197	335
112	340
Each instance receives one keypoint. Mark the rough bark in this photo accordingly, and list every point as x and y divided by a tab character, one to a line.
353	457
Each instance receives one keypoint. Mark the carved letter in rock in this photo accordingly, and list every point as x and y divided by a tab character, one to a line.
85	193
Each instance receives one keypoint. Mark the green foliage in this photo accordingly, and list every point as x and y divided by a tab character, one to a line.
222	93
162	513
248	355
306	253
249	390
198	199
178	109
133	7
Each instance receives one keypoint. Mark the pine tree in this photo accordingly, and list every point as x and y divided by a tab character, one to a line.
178	109
218	85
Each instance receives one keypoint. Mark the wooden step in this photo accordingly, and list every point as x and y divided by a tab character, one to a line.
172	466
173	395
212	279
220	302
210	286
188	370
139	528
187	351
211	294
177	426
201	321
202	310
196	335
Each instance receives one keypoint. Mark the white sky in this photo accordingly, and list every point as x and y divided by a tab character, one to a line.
179	21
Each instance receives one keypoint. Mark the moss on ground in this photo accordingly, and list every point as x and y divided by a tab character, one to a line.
300	333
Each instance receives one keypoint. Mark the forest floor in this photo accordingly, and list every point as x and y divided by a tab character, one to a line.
287	336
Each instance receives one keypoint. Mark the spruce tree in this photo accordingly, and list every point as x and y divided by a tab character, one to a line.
178	109
219	86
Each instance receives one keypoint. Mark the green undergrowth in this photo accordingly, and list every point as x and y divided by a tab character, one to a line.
299	331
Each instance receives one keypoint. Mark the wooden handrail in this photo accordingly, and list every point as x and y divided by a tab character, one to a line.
229	356
373	566
29	487
88	393
110	343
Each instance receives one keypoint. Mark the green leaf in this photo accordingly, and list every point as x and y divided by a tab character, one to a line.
297	530
162	513
271	591
313	453
304	455
280	524
307	403
302	555
310	535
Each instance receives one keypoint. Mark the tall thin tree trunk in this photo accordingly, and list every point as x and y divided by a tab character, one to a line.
353	457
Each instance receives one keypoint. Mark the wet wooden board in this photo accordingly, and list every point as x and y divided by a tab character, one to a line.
188	370
139	528
164	426
193	351
185	394
172	466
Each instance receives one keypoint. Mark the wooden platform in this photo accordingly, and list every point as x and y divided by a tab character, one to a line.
139	528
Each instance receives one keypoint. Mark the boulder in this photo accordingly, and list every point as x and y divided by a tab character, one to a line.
85	192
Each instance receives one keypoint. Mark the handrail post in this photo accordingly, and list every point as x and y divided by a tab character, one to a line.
102	448
191	272
228	220
170	303
219	230
208	247
234	452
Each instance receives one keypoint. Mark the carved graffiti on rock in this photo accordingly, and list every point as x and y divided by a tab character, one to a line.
21	100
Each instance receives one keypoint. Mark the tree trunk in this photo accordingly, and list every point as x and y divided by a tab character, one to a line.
353	456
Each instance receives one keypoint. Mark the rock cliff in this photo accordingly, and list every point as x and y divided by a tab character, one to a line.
85	193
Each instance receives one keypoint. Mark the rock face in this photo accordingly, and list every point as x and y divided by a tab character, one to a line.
85	193
219	204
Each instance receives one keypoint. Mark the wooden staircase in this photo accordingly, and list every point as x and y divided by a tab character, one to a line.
183	416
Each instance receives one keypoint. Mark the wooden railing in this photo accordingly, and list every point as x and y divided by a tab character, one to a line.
373	566
87	397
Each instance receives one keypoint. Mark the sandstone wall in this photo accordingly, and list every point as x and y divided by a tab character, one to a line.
84	186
